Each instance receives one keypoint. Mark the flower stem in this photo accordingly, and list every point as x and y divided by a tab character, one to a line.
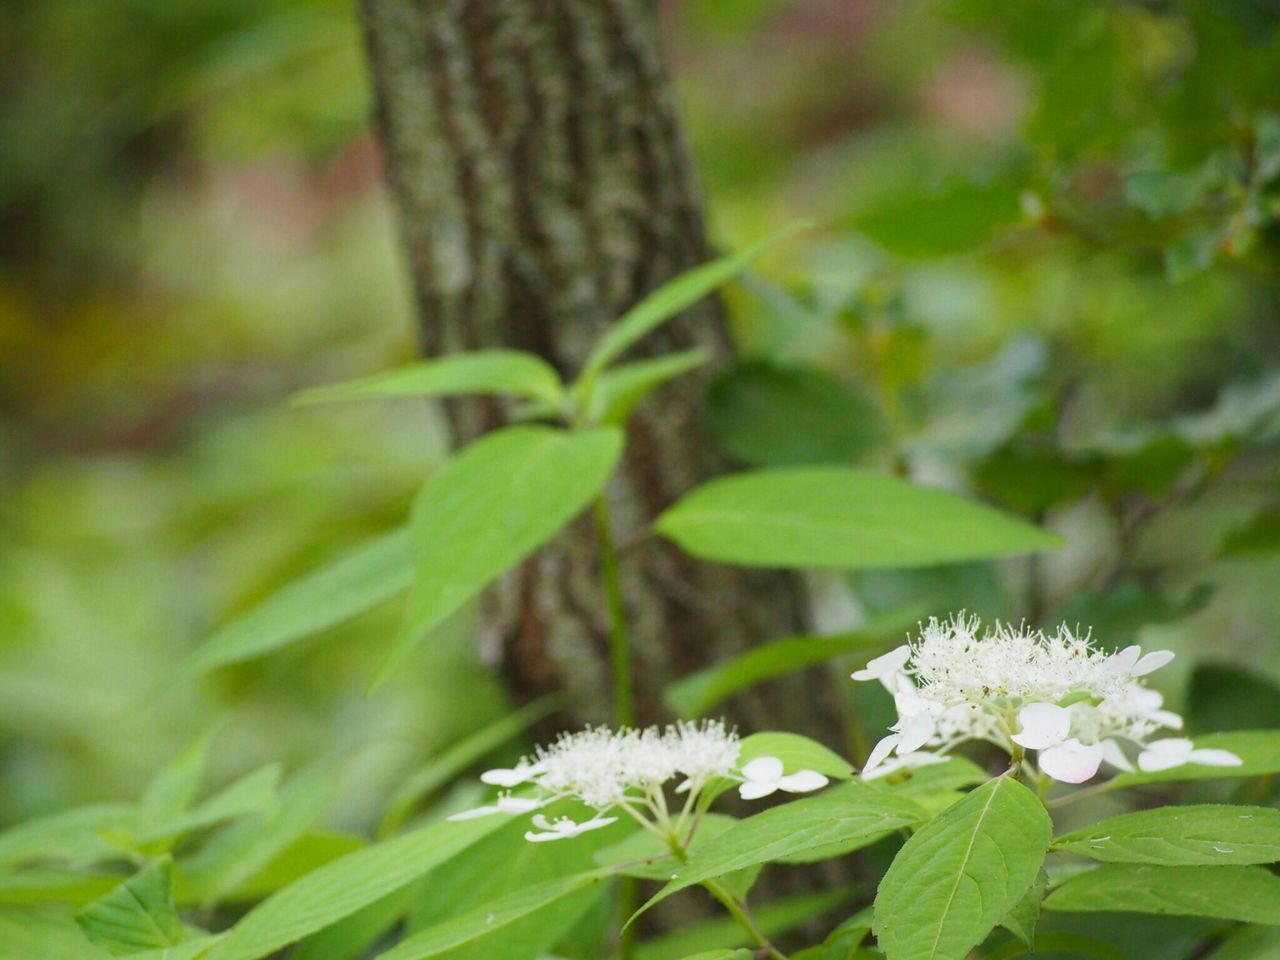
624	709
735	906
738	910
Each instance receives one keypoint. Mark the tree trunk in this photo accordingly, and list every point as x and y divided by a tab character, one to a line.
542	185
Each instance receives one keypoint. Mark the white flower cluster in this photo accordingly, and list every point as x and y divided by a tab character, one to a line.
1021	689
626	771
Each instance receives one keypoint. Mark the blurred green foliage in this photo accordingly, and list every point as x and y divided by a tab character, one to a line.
1049	276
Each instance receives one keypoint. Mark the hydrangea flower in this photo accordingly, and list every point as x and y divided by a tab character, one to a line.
627	771
1058	695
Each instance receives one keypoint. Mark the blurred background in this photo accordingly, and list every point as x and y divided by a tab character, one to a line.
1048	274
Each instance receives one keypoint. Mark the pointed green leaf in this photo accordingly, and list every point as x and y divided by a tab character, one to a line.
841	820
357	581
255	792
75	836
670	299
1247	894
344	886
506	910
831	517
484	371
177	784
137	915
1210	834
699	692
1258	749
619	391
962	873
491	506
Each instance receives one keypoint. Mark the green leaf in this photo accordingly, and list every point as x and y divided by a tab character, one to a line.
358	581
502	864
1259	749
1022	919
839	518
796	753
28	935
669	300
55	885
177	784
491	917
491	506
137	915
351	937
75	836
773	417
619	391
440	770
253	793
1208	834
344	886
193	949
847	818
721	955
484	371
938	778
1247	894
699	692
928	223
1250	943
228	860
962	873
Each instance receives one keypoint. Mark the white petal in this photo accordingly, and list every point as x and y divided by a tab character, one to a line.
1043	725
1179	747
474	814
685	786
1071	761
755	789
916	732
1114	756
542	823
595	823
542	837
517	805
502	777
885	665
1152	662
1215	758
880	752
763	768
1166	718
802	781
1123	661
1150	762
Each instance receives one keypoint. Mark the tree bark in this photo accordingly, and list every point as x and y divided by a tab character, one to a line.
542	185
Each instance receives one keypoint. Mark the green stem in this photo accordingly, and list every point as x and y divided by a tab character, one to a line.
738	910
624	708
735	907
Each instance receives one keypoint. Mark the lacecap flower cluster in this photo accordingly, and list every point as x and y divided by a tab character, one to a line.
1023	690
627	772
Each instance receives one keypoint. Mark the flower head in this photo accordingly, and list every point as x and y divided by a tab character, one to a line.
627	771
1058	695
